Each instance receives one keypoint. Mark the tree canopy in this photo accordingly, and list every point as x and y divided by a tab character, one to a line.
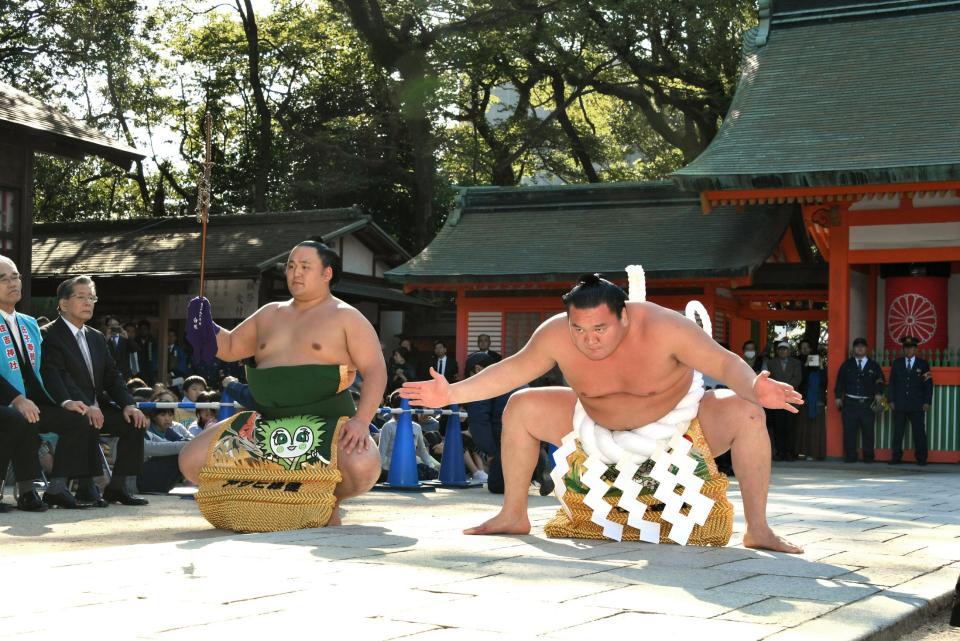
387	105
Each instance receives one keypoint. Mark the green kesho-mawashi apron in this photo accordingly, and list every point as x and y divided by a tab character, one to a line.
275	468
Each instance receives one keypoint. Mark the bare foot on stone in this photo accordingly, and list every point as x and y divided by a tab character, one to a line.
503	524
767	540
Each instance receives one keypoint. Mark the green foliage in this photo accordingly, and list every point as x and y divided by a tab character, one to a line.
328	103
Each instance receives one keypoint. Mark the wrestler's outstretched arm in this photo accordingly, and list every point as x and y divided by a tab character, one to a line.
529	363
694	347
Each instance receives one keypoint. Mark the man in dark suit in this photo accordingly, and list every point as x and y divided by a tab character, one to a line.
859	385
148	352
483	350
910	394
119	345
79	368
445	364
785	369
26	409
486	426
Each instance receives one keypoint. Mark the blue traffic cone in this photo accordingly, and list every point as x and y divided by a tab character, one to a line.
225	411
452	467
403	459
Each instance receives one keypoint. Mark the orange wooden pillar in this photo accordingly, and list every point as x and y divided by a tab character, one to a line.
874	275
739	333
839	319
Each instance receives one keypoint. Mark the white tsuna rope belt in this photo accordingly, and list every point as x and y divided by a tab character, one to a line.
662	441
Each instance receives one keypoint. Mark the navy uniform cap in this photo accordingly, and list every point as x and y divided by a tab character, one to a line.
860	341
909	341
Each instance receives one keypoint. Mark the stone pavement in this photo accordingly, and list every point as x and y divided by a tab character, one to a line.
882	551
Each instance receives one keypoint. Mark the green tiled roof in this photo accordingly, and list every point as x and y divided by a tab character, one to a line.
841	93
237	245
557	233
55	132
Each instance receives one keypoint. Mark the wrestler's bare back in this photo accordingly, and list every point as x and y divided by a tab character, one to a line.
639	382
290	335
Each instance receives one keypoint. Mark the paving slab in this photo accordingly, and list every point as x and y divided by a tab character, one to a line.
880	555
671	627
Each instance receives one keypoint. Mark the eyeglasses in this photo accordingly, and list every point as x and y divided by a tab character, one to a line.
85	299
9	280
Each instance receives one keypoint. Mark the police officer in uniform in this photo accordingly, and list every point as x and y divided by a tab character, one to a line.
859	384
910	394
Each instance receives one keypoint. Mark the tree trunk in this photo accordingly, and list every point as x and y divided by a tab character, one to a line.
264	140
577	148
414	73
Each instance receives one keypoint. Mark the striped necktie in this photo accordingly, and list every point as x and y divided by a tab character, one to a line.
85	350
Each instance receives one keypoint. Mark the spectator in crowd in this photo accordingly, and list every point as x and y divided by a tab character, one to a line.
483	349
26	409
77	367
216	371
205	417
118	344
161	470
486	425
911	394
811	421
427	466
163	395
193	387
238	392
430	424
472	461
148	351
752	358
414	359
135	383
134	349
399	369
445	364
859	387
787	370
177	361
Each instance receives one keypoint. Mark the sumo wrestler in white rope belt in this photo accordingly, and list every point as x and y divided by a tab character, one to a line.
627	364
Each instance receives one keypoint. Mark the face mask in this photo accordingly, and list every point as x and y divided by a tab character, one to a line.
749	354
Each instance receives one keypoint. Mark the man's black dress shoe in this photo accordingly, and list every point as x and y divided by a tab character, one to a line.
30	502
546	484
893	462
63	499
91	496
4	508
122	496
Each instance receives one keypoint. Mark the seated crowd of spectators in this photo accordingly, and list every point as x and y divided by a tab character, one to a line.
169	430
481	429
